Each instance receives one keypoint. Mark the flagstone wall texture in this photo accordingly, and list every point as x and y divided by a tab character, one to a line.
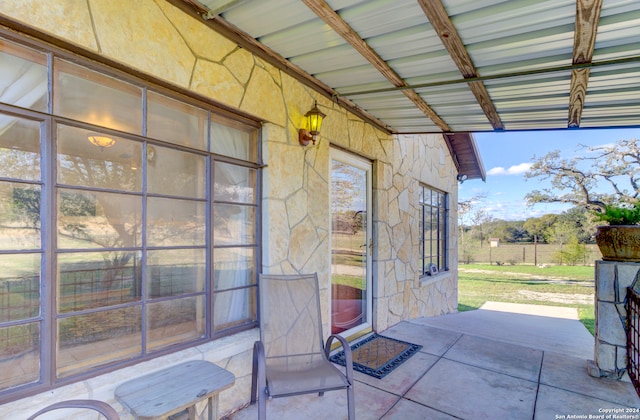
156	38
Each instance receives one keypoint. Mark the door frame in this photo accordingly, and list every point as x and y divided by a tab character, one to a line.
367	166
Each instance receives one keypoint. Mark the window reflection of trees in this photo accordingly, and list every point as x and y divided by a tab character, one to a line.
348	213
91	214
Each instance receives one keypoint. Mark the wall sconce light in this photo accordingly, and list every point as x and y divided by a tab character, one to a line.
101	141
461	178
314	121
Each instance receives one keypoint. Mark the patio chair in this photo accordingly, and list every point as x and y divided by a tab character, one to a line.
99	406
290	358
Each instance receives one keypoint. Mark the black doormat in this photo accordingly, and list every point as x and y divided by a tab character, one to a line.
377	355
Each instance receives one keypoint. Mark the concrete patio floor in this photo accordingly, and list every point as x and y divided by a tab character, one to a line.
502	361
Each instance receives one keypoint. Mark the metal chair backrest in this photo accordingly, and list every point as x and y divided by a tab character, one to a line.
290	319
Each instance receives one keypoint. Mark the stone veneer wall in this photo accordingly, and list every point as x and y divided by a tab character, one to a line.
612	280
154	37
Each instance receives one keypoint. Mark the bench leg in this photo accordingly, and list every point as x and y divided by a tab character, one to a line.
213	407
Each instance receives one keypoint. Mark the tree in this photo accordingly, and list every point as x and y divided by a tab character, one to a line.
540	226
507	230
577	180
480	220
468	217
467	209
573	253
583	225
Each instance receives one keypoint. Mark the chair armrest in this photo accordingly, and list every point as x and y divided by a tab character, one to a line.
99	406
348	358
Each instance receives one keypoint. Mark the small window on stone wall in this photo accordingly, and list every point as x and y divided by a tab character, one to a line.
434	228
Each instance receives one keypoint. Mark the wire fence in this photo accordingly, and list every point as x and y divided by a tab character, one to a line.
524	253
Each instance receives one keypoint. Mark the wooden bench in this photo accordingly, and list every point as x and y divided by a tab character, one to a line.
174	389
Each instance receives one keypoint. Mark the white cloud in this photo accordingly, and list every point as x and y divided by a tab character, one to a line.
513	170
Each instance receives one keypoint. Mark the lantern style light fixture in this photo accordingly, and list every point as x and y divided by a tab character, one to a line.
314	121
101	141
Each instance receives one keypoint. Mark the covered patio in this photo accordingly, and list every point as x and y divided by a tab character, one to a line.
500	361
154	164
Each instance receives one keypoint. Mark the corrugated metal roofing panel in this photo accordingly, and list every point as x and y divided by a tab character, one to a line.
265	17
371	18
415	125
329	59
411	68
405	42
383	100
508	41
311	37
501	20
346	77
617	116
618	34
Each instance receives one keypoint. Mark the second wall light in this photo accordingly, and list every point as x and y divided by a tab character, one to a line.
313	119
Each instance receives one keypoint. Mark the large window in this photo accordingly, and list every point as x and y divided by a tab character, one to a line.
128	221
433	244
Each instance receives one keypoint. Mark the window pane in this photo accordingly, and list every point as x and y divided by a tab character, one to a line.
173	172
234	183
115	167
19	355
97	339
234	267
19	148
85	95
90	220
233	224
23	77
234	308
97	279
434	228
176	321
19	216
234	140
175	272
19	286
176	122
172	222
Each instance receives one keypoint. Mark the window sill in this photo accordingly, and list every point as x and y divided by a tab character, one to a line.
230	345
443	275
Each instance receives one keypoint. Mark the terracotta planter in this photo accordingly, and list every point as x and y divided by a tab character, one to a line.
619	243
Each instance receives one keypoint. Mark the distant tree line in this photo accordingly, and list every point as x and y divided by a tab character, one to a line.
575	223
590	180
570	231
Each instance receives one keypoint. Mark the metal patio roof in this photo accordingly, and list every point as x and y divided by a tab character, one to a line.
453	66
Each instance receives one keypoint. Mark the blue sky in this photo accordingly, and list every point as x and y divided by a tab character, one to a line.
507	156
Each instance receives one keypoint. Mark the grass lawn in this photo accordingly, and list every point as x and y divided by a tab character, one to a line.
554	285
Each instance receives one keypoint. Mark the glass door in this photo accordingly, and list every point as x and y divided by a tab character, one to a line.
351	244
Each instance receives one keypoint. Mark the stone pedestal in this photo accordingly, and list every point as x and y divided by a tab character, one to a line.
611	280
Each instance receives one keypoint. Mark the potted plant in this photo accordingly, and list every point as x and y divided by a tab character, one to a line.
620	240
